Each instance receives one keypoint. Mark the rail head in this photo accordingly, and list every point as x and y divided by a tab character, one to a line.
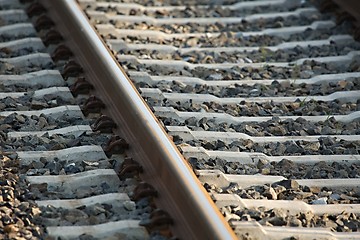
180	192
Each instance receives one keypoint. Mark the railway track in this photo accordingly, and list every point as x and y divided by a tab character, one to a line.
250	93
261	98
64	173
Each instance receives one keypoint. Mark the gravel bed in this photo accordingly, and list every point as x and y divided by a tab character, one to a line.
263	55
196	11
320	34
155	235
278	89
283	190
256	25
274	127
6	37
59	167
306	70
96	214
344	222
251	109
178	3
45	192
8	53
54	142
324	146
286	168
230	39
19	122
22	88
20	218
8	7
227	39
27	103
10	69
17	212
290	190
8	22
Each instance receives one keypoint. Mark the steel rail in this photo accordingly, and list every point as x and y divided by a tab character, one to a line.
350	6
180	192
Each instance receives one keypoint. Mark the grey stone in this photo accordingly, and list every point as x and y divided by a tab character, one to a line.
71	168
129	205
320	201
270	193
288	184
54	167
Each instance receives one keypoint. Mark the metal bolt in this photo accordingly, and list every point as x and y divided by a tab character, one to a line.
35	9
104	124
130	168
62	52
159	219
92	105
116	145
52	37
144	190
81	86
43	22
72	69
